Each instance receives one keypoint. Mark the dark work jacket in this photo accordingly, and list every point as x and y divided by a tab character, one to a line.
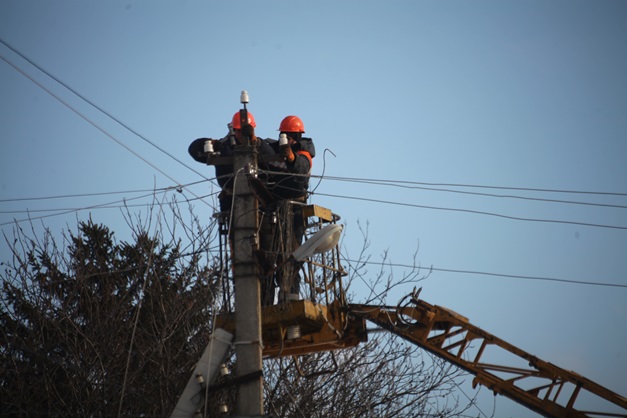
224	173
287	180
278	178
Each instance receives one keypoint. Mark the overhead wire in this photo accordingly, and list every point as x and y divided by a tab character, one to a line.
417	185
476	212
91	122
486	273
363	199
394	183
118	204
88	120
68	211
391	182
68	196
479	186
100	109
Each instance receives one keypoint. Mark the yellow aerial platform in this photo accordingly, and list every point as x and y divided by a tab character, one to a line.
302	327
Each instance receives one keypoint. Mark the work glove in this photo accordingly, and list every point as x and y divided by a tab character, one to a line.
286	151
249	131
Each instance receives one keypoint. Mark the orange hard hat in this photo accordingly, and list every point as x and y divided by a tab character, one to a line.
237	123
292	124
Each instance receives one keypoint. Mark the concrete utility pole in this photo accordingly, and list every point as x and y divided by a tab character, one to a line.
248	345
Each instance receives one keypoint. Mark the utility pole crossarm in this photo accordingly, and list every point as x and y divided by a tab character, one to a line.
541	386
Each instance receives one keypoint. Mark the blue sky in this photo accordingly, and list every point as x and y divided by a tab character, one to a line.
492	93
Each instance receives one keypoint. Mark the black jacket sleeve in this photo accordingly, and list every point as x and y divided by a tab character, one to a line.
196	150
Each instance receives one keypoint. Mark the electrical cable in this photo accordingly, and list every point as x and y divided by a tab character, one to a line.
530	189
477	212
403	184
375	181
69	210
324	167
485	273
488	213
357	180
65	212
97	107
84	117
20	199
110	205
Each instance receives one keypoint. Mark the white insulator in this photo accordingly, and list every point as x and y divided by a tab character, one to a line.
243	98
208	146
282	140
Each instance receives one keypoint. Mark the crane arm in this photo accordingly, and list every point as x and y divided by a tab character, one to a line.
541	386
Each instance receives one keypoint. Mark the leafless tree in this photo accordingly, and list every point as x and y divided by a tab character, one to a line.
384	377
90	326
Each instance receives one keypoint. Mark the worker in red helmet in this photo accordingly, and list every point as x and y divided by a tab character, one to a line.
288	181
289	178
224	173
248	129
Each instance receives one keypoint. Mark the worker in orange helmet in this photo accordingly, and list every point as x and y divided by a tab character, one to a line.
224	173
287	181
289	178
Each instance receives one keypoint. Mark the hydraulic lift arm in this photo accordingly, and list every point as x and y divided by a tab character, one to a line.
540	386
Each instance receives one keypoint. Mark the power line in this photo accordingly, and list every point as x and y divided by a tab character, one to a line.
484	273
110	205
396	183
84	117
481	186
477	212
68	211
358	180
67	196
96	106
416	185
91	122
19	199
322	194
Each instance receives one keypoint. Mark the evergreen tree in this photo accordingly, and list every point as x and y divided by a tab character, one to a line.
70	317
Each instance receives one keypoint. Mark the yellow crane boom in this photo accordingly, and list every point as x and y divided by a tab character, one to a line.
540	386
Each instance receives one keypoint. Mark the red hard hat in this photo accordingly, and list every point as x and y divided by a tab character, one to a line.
237	123
292	124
